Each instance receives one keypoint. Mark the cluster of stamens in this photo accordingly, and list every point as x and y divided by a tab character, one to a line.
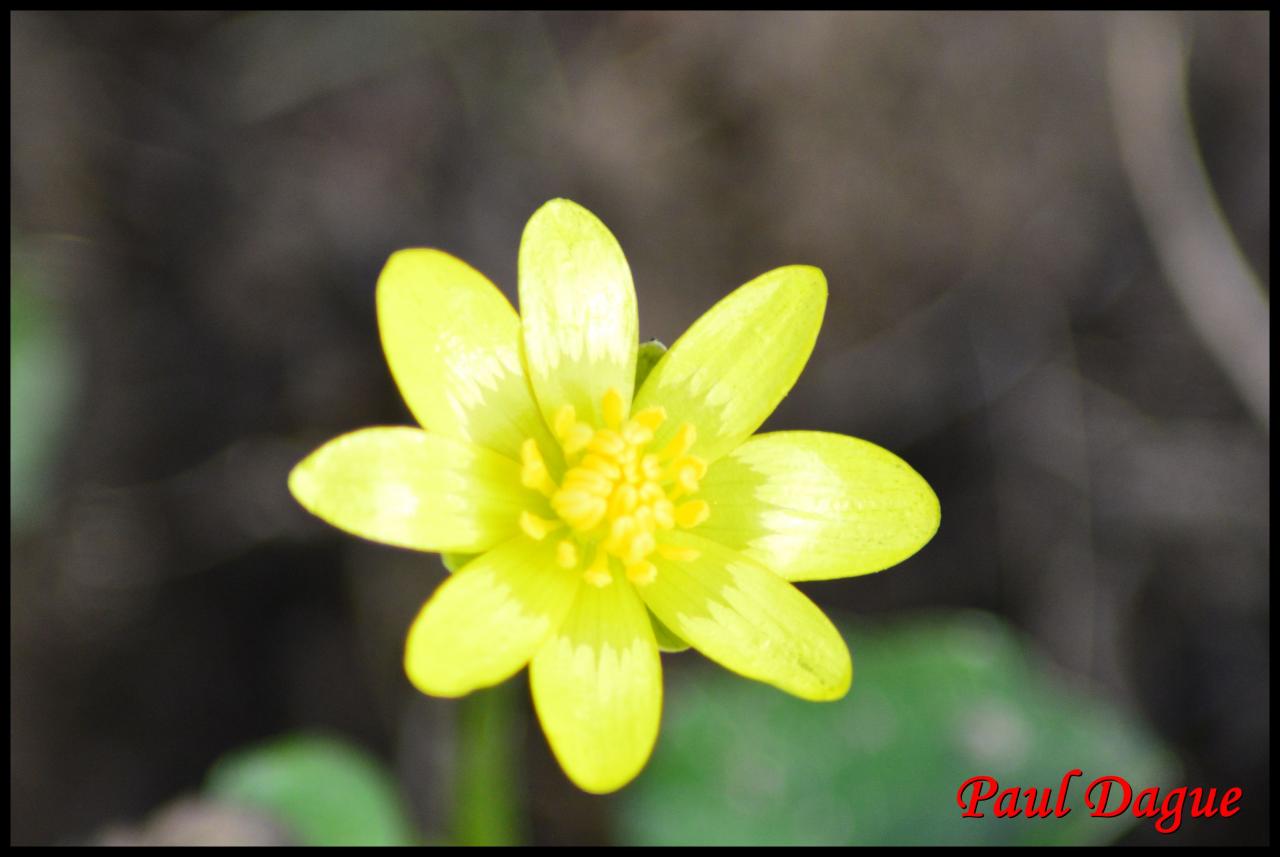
615	499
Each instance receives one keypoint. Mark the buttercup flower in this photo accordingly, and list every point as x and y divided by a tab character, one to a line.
599	519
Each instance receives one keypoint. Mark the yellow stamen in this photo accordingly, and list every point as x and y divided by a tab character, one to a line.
685	437
644	518
620	533
642	573
623	502
697	465
616	496
612	408
598	574
589	480
640	546
564	421
533	473
651	492
650	418
607	442
567	554
651	467
580	510
538	528
636	434
692	513
664	514
687	472
602	465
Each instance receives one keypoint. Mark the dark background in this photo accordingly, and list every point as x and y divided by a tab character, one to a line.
203	202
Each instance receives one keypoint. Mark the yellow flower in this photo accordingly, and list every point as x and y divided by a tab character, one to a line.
604	519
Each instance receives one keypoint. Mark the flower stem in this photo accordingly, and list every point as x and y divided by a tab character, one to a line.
488	753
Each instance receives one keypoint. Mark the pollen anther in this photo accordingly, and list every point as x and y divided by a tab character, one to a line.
616	497
567	554
538	528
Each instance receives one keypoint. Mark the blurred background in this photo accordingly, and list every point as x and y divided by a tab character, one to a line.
1047	242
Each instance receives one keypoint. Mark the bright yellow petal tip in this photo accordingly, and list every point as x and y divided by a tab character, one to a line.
597	687
729	371
816	506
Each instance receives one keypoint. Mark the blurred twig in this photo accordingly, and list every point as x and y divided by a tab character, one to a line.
1201	260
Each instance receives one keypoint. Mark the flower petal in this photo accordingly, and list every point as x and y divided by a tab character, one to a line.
748	619
487	620
453	343
736	363
815	506
597	686
405	487
579	310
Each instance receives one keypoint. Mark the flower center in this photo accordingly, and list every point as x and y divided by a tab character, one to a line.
616	498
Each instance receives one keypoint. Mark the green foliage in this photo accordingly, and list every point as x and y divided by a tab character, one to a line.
41	382
933	703
325	791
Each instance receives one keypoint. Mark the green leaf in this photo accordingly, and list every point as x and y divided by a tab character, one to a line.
326	791
41	385
934	702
